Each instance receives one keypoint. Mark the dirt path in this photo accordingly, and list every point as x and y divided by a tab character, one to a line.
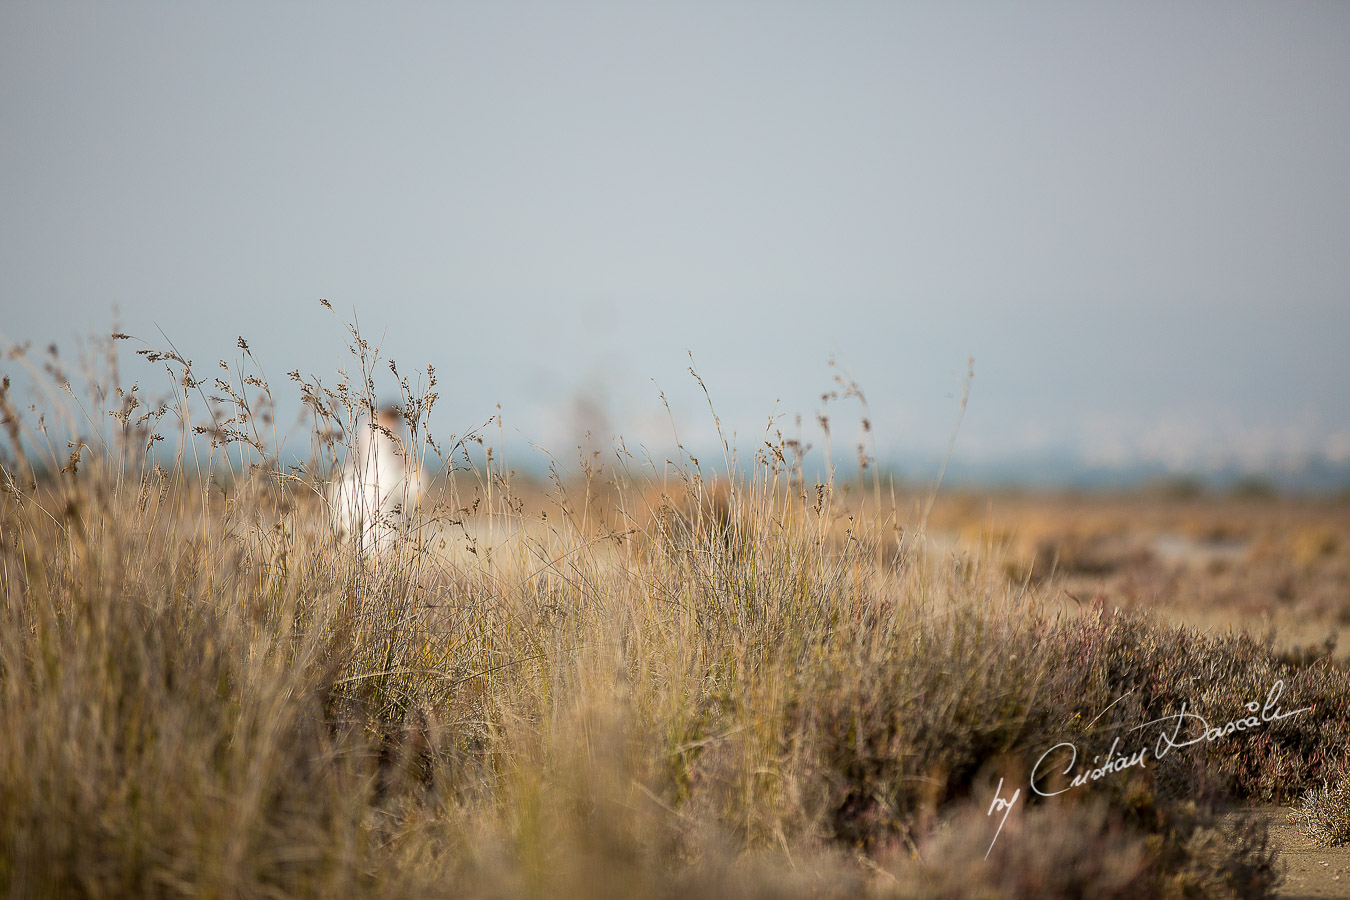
1314	872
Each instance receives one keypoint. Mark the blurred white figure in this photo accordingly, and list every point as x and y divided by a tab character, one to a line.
378	485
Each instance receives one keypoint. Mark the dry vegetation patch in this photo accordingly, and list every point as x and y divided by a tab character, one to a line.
625	685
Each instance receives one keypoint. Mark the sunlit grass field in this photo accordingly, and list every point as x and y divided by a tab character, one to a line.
645	678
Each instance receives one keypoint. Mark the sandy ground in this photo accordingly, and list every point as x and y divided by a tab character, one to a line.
1312	872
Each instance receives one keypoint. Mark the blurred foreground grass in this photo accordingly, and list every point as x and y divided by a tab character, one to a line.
642	682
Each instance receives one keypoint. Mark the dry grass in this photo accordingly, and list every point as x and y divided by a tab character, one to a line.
1324	812
642	682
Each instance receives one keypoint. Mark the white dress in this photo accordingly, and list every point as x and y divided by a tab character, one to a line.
377	489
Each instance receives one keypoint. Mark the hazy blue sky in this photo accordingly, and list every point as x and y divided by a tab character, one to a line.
1134	216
